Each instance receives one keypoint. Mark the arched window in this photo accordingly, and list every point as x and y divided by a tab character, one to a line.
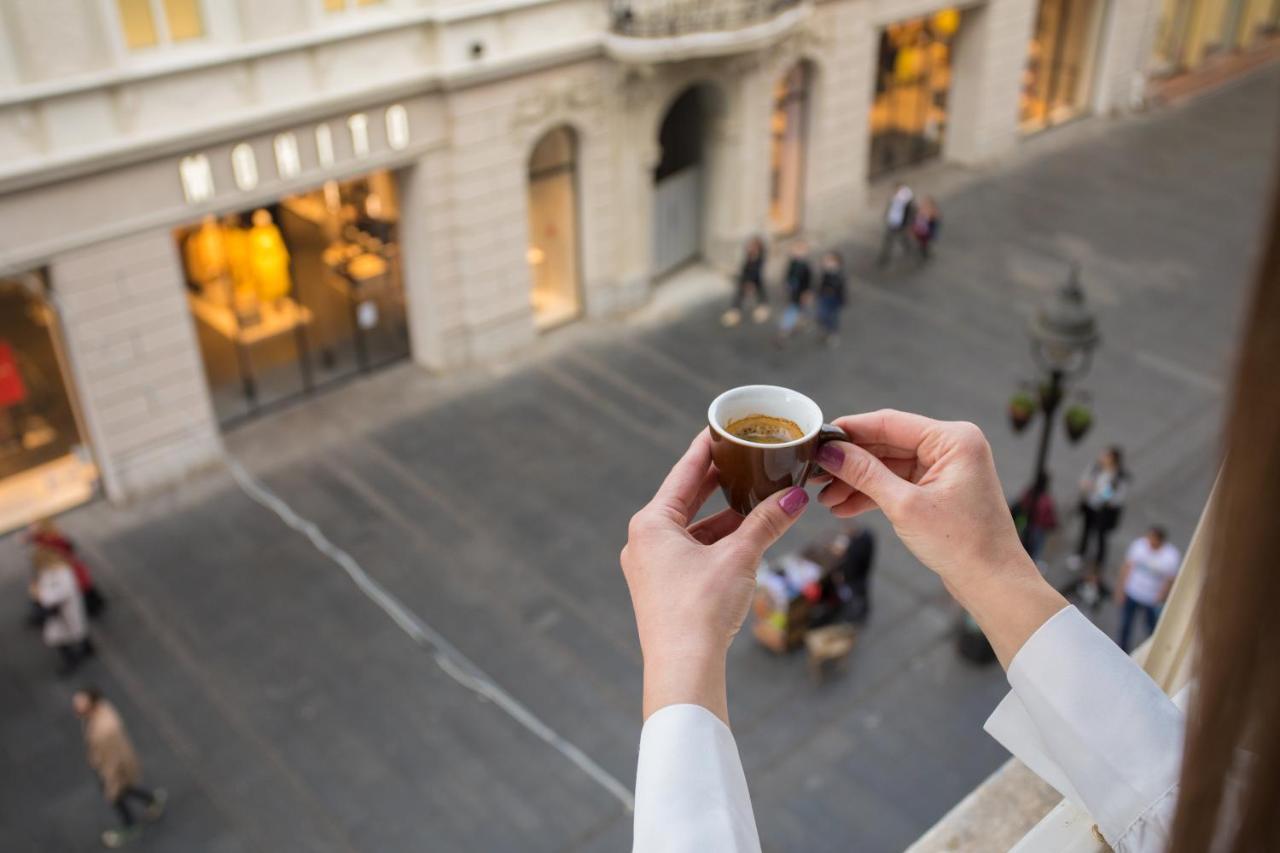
553	229
788	129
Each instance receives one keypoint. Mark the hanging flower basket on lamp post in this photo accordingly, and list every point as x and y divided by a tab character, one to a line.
1022	408
1077	419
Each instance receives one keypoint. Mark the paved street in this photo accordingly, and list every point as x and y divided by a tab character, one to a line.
285	711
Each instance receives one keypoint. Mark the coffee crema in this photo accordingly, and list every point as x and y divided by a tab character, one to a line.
764	429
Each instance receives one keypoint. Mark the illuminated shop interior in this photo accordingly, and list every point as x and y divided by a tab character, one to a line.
44	468
1058	74
788	129
293	295
1191	31
913	79
553	229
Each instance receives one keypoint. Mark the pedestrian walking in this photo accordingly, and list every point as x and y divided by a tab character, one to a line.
112	758
1103	489
898	217
46	534
1150	565
830	297
924	226
65	627
798	281
1036	516
750	283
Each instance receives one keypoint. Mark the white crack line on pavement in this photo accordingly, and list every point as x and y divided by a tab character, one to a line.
447	656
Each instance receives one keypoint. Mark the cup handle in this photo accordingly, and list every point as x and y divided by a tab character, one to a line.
827	432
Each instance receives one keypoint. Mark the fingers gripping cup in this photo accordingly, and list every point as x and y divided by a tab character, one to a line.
763	440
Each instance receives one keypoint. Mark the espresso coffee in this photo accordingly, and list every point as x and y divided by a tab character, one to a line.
764	429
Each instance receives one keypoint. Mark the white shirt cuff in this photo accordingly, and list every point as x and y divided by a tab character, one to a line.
1086	719
691	793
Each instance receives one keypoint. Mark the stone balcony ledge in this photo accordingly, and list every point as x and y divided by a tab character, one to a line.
643	33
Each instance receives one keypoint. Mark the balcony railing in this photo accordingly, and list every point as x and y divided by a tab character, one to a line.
668	18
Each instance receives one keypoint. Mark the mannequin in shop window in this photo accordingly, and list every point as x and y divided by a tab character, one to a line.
236	239
206	257
269	259
13	394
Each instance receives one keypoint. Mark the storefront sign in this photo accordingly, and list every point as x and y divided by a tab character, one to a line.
196	171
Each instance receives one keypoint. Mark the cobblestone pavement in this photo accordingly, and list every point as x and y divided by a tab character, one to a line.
286	712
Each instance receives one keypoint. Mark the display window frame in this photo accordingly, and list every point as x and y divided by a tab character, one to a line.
570	166
67	488
1054	110
308	339
885	154
793	89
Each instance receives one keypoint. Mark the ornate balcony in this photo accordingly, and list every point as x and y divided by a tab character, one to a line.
672	30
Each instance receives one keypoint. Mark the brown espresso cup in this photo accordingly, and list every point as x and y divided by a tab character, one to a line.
751	471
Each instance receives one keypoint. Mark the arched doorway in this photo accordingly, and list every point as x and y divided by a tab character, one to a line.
788	130
553	228
679	179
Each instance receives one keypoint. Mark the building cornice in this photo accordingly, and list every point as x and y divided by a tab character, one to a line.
215	55
25	174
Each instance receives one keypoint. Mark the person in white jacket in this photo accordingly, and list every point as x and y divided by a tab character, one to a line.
691	586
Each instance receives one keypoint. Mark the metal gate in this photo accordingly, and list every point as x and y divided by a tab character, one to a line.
677	219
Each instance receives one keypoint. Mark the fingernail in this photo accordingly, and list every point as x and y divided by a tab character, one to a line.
793	501
830	456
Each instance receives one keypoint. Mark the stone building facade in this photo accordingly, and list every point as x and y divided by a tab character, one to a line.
445	180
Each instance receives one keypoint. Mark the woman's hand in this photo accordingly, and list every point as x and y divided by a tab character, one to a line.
937	484
691	585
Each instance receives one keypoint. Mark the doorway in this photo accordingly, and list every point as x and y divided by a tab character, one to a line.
678	181
555	291
913	80
44	467
788	129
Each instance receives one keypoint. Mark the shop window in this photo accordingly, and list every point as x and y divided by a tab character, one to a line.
913	78
553	229
1192	30
1056	80
343	5
788	129
43	467
148	23
298	293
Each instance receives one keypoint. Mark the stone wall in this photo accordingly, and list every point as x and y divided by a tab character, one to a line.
134	362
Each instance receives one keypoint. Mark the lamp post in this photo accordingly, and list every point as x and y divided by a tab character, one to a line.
1064	334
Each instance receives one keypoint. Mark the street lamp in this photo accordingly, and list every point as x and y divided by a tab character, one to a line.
1064	334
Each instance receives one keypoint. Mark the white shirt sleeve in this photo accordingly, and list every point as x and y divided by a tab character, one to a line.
1086	719
691	793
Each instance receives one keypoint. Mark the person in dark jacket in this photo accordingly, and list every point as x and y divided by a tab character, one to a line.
798	280
750	282
1036	516
830	297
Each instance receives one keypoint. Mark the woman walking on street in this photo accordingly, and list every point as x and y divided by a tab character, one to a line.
831	297
750	280
111	757
65	626
1103	489
46	534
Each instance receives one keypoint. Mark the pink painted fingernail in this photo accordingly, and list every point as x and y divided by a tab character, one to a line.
793	501
830	456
